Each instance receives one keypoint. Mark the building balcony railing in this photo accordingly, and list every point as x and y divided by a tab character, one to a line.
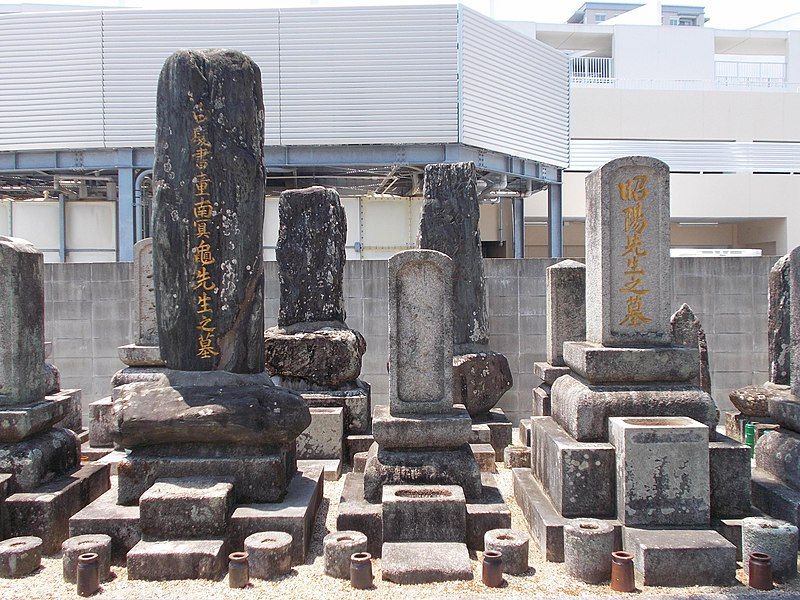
591	69
749	74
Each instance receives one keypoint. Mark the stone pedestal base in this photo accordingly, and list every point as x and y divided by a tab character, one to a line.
449	430
40	458
324	438
479	380
135	355
604	364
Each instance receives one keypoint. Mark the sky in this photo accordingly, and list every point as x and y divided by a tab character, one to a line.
723	14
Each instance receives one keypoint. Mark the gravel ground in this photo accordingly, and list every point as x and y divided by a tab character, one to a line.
544	580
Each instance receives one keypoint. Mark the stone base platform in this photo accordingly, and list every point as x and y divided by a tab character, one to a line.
421	431
332	467
134	355
357	514
425	562
294	514
45	511
603	364
681	557
774	497
324	438
177	559
354	397
500	428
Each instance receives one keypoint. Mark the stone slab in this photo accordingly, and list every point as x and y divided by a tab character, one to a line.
542	403
485	455
294	514
424	513
779	321
357	443
794	316
525	432
135	355
601	364
681	557
324	437
420	333
545	524
420	466
144	294
501	429
356	401
21	421
583	410
449	429
40	458
104	515
786	412
662	471
548	373
731	529
186	508
729	472
481	434
177	559
425	562
774	497
259	474
45	511
331	467
565	293
578	477
73	409
112	459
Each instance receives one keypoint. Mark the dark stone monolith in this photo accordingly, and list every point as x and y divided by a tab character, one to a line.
688	331
208	211
311	256
450	225
778	339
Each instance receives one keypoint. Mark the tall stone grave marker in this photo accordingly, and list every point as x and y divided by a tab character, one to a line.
794	326
449	224
312	351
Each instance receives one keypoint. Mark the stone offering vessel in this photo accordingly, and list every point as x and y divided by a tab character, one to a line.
208	431
449	224
311	350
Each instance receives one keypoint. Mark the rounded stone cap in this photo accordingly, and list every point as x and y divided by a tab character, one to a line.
20	544
267	540
767	526
339	548
588	528
504	537
74	547
86	543
344	539
20	556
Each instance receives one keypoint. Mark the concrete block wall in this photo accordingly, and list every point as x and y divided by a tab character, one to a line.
89	313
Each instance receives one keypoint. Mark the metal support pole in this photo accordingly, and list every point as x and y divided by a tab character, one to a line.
62	228
138	204
555	220
125	215
519	226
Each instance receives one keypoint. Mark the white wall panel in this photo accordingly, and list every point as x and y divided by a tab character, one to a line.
515	92
369	75
136	43
50	81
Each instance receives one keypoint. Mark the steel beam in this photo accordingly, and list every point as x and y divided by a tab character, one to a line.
125	224
555	220
518	215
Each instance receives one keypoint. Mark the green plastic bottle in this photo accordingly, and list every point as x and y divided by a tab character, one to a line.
750	436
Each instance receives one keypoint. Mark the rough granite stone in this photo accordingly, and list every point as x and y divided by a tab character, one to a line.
144	294
794	326
73	547
681	557
588	544
22	421
326	354
774	537
778	453
628	270
547	372
211	407
424	513
22	374
485	456
514	547
688	331
420	333
134	355
40	458
500	430
449	224
425	562
354	397
785	410
662	471
338	547
20	556
773	497
729	476
517	456
311	256
566	308
578	477
208	212
754	400
73	410
269	554
323	439
602	365
446	430
101	423
186	508
479	380
583	410
177	559
357	514
422	467
779	318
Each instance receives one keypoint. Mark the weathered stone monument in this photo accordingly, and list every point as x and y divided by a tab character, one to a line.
209	430
688	331
41	481
421	469
449	224
752	401
631	439
312	351
776	477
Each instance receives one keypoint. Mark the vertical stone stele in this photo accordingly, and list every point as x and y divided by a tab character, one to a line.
566	307
779	319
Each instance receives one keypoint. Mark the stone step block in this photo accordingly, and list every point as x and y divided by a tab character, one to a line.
542	406
487	513
45	512
729	473
101	423
73	409
40	458
357	443
355	400
449	430
356	514
22	421
135	355
579	477
481	434
774	497
662	471
294	514
105	516
500	428
331	467
424	513
525	432
425	562
548	373
517	457
91	454
323	439
681	557
485	455
186	508
177	559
